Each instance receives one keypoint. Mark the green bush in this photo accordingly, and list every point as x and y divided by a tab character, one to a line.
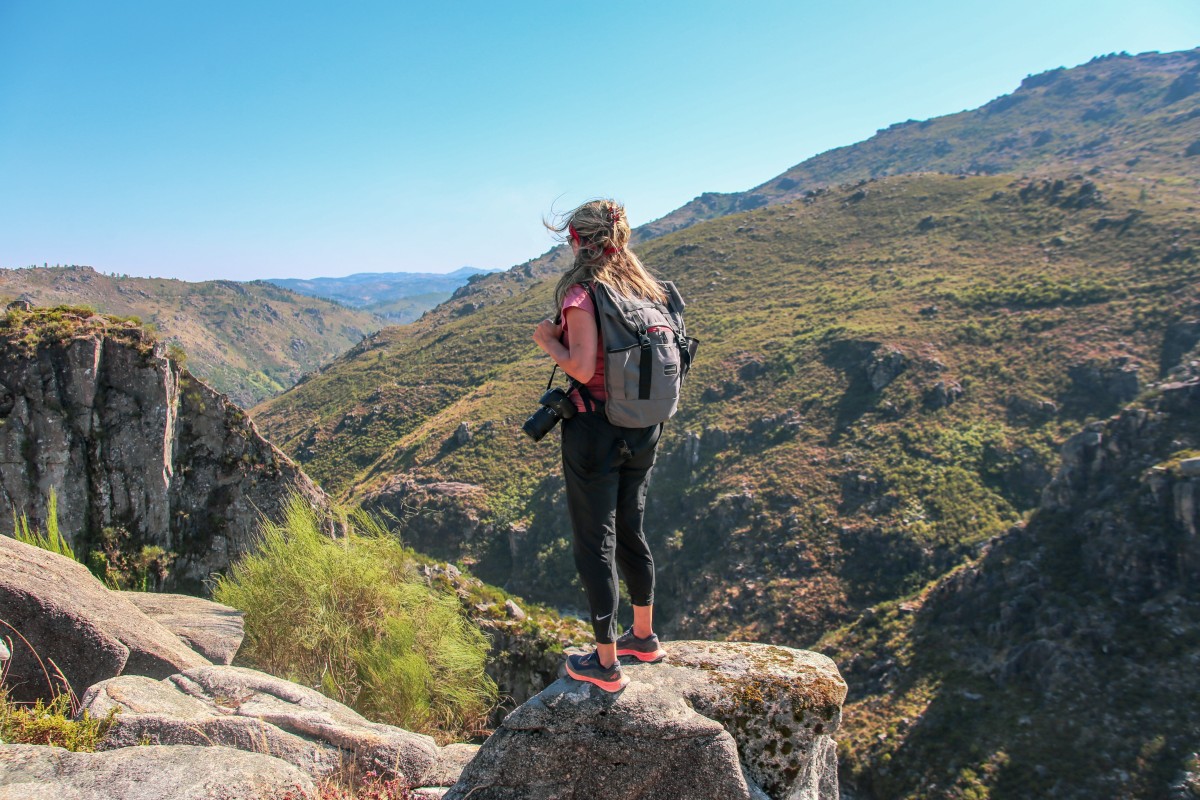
351	617
51	538
122	566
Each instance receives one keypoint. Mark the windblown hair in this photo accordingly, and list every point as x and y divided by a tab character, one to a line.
604	254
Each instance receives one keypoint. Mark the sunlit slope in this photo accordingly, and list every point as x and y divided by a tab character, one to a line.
815	466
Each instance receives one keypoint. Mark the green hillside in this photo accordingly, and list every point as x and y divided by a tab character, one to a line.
791	492
248	340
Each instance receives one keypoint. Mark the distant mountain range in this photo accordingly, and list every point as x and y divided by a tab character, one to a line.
247	340
398	297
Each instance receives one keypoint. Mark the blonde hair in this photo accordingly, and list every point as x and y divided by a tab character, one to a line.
602	230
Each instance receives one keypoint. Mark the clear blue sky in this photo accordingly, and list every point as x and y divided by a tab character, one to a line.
294	139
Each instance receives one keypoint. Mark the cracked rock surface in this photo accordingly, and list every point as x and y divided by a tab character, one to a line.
38	772
715	720
257	712
137	449
70	619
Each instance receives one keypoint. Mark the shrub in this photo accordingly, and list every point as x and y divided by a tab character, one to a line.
176	353
51	538
372	787
117	561
351	617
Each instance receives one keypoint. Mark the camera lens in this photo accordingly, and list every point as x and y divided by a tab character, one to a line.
540	423
556	405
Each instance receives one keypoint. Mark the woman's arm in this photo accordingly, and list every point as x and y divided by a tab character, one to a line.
578	356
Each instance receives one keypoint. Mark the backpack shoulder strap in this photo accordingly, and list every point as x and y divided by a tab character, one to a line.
587	285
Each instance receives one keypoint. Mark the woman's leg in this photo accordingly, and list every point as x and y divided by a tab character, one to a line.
643	621
632	552
591	487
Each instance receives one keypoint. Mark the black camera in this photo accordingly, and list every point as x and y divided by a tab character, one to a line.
556	405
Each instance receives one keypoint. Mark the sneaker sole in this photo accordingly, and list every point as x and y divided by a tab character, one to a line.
644	657
608	686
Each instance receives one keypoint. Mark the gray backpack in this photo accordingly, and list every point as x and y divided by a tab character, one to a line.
647	354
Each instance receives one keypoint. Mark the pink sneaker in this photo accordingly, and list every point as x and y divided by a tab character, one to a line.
647	649
588	668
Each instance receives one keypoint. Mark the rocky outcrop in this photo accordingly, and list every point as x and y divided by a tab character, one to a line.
1101	385
211	629
253	711
35	772
942	394
75	625
139	451
1118	466
575	742
884	366
451	514
1130	456
716	720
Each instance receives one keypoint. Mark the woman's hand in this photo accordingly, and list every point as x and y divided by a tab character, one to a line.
547	334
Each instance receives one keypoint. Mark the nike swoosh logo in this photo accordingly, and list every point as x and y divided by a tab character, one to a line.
606	616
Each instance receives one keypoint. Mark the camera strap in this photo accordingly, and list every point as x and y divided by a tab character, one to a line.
574	386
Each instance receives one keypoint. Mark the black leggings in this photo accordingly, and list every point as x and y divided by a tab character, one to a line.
606	498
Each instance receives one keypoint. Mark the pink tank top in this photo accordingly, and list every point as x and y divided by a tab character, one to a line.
577	297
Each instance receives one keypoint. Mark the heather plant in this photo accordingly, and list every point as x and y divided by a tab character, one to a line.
58	722
351	617
371	787
118	561
51	724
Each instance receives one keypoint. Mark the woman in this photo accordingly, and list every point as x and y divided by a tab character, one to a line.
607	468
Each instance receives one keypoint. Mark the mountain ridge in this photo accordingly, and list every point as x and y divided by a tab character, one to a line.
946	143
1092	121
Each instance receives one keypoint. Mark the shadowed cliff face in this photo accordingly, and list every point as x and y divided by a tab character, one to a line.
140	453
1062	663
